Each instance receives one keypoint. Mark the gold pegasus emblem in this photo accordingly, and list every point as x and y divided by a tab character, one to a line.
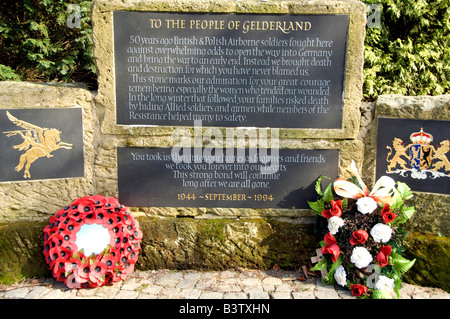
37	142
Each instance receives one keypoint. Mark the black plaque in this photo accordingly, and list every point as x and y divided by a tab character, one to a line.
415	152
39	144
230	70
148	177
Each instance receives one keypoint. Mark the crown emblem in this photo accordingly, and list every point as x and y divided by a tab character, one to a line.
421	137
419	158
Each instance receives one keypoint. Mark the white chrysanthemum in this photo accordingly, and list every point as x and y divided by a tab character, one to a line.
366	205
384	283
340	276
361	257
334	223
381	233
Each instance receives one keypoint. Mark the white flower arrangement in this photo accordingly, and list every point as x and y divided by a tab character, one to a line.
381	233
341	276
362	234
385	284
361	257
334	223
366	205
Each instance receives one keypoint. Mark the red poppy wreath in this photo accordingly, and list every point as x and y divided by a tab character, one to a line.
93	242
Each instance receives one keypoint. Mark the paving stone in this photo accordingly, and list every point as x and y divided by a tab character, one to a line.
147	296
251	282
168	280
281	295
258	295
240	284
211	295
190	293
37	292
192	275
235	295
272	281
206	283
170	293
307	294
152	289
326	294
187	283
87	292
108	292
283	287
130	284
61	294
17	293
126	294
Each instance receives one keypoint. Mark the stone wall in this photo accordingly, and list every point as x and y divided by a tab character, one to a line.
202	238
207	238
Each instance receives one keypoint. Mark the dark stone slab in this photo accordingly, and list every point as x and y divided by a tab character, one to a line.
229	70
41	144
148	177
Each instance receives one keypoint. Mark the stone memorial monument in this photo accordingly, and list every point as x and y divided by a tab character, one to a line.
199	101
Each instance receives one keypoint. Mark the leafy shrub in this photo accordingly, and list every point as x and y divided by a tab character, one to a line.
410	53
39	41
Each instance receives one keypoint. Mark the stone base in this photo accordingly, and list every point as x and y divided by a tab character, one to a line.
432	255
177	243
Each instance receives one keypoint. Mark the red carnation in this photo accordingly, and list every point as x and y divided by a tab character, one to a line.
331	247
387	215
335	210
358	290
383	255
359	237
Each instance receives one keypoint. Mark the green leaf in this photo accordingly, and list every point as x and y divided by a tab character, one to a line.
322	264
400	264
397	200
404	190
328	194
317	206
329	278
380	294
318	186
407	213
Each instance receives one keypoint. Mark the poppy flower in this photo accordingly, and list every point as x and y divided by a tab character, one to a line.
114	263
109	260
97	200
72	282
82	272
97	271
72	264
59	269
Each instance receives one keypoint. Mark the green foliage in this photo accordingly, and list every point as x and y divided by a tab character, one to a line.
409	53
7	74
39	41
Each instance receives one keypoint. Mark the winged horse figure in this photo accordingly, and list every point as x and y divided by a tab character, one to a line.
37	142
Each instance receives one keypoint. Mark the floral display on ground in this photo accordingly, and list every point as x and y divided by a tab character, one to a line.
362	235
78	268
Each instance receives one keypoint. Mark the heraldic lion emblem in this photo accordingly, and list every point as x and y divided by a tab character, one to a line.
419	157
37	142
